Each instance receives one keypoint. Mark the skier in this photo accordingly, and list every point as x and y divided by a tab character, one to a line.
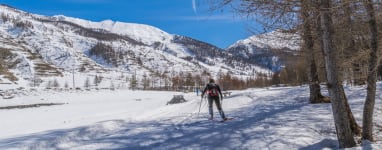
213	93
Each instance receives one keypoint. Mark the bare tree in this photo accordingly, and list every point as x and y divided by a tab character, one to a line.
66	85
335	88
372	74
350	45
87	83
49	85
97	80
134	81
356	129
308	48
55	83
145	82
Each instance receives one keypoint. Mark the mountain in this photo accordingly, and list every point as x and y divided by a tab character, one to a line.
36	47
270	50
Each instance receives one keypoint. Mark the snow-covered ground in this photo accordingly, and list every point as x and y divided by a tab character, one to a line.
264	118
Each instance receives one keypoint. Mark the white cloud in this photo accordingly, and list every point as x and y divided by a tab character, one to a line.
194	6
223	17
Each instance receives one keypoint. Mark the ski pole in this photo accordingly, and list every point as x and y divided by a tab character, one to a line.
201	100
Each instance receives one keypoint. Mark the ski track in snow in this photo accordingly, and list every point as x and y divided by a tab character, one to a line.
271	118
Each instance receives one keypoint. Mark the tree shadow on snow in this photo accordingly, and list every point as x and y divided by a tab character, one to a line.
325	143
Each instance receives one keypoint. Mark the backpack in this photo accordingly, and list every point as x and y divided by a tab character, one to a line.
213	90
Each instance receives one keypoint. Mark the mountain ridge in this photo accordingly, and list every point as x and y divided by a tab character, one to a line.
70	45
270	50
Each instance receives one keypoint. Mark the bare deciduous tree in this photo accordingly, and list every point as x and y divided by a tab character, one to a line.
308	48
372	74
335	88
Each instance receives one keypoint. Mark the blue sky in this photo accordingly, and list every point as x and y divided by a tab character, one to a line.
183	17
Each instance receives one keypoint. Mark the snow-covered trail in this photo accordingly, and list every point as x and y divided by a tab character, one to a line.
273	118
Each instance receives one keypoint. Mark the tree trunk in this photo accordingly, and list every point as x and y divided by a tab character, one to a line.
351	48
308	43
353	123
356	129
335	88
367	133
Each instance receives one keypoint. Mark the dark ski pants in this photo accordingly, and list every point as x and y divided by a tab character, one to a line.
218	105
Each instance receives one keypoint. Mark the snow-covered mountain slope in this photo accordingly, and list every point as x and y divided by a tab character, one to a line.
277	39
140	32
268	49
57	46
